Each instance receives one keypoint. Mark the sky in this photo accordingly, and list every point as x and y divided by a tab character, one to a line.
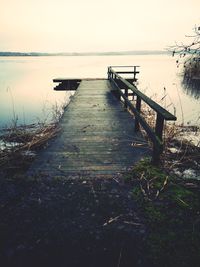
95	25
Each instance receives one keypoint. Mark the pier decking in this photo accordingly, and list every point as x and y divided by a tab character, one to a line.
97	136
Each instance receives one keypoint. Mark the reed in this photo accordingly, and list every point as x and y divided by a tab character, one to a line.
181	144
20	143
192	68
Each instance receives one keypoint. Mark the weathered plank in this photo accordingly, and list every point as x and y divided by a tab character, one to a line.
97	136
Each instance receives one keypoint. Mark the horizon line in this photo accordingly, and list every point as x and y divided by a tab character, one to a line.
83	53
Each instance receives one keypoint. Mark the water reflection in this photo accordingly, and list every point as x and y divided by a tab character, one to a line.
26	86
191	87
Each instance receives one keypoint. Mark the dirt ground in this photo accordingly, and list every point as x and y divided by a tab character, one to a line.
69	222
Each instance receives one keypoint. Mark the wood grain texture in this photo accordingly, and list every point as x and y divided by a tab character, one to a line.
97	136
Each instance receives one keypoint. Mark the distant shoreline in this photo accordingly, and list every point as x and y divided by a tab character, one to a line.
120	53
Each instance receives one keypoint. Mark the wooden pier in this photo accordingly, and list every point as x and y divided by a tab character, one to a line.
99	136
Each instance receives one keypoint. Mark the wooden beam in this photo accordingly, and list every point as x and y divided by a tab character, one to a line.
163	112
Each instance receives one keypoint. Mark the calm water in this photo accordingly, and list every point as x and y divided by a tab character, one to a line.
26	87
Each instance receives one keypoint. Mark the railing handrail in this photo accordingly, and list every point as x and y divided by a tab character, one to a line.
163	112
124	66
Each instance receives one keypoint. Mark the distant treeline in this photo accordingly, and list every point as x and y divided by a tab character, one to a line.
38	54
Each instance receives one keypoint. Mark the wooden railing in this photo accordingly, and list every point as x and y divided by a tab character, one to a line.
156	135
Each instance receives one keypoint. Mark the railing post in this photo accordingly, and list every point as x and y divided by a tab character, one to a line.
126	94
138	107
113	79
117	94
134	73
159	126
157	151
108	73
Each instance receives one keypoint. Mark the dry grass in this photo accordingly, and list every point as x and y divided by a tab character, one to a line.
192	68
20	144
181	144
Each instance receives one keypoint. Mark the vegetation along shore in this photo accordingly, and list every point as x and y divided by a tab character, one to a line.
153	211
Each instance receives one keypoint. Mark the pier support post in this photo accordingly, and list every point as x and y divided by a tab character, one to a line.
138	107
126	94
157	151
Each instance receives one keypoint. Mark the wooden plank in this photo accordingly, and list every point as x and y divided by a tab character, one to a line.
64	79
127	72
97	136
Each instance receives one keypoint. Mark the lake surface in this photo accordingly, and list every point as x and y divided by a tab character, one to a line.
26	87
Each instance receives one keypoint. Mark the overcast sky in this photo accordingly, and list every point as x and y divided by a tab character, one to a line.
94	25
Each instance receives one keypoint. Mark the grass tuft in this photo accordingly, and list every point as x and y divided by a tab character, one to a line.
171	210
